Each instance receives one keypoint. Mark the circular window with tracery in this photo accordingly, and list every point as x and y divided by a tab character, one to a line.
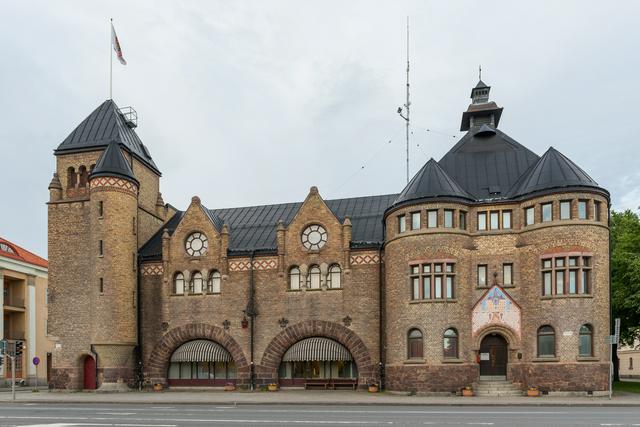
314	237
196	244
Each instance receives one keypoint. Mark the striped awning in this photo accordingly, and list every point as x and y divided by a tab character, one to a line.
316	348
201	351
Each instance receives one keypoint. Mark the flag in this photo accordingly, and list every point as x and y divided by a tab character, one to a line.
116	46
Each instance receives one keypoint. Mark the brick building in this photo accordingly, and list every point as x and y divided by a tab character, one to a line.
491	264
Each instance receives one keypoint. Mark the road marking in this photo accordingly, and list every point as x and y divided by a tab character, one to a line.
182	420
99	424
115	413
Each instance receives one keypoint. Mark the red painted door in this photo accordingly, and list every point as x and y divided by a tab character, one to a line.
89	373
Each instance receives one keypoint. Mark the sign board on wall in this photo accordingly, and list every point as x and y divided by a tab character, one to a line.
484	356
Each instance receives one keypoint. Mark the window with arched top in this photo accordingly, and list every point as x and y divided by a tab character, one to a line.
586	341
546	341
313	279
178	283
414	344
195	285
450	344
71	177
213	284
83	175
294	278
334	278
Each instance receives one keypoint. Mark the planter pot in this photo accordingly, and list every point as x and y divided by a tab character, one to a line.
229	387
157	387
533	393
272	387
373	389
467	393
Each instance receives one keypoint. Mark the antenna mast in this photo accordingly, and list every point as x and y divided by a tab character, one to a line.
407	105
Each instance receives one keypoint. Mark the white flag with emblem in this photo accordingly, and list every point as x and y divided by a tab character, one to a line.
116	46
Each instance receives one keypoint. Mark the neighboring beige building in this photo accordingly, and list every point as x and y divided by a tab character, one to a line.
629	367
23	281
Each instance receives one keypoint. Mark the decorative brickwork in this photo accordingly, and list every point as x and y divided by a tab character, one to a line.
367	371
365	258
113	183
152	269
258	264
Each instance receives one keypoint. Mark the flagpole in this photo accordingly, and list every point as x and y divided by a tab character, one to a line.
111	61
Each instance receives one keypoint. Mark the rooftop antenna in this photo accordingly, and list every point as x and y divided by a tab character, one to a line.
407	104
479	72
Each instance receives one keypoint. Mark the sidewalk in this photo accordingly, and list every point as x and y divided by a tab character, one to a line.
300	397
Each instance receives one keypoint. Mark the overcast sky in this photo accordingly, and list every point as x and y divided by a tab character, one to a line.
246	103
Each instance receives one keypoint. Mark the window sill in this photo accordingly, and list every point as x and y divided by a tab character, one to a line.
314	290
563	296
294	290
587	359
436	300
333	289
452	360
415	361
545	359
484	288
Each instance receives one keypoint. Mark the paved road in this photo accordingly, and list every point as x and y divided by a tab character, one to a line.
61	415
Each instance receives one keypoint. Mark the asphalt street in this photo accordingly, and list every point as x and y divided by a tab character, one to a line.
61	415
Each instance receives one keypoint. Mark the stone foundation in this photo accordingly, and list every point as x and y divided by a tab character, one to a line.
586	376
430	378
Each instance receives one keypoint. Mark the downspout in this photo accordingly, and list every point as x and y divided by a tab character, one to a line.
382	312
250	311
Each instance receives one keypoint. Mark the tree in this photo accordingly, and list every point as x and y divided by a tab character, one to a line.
625	273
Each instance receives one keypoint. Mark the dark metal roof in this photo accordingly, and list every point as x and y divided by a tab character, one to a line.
103	125
113	163
552	171
254	227
430	182
482	161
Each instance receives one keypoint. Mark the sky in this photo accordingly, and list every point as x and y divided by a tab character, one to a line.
253	102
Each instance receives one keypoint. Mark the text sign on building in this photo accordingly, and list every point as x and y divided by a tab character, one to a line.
616	329
484	356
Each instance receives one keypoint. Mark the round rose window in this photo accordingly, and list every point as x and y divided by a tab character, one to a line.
314	237
196	244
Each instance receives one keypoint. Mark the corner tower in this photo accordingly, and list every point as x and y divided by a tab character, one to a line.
102	208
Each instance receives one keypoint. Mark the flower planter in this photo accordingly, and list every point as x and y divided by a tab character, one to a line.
272	387
157	387
533	393
229	387
467	392
373	389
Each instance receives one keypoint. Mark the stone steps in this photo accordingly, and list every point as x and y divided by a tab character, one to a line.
497	388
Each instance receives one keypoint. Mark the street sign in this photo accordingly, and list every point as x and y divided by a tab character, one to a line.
36	360
610	339
617	331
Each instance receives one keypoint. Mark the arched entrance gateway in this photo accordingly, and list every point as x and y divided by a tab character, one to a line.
318	362
494	354
201	363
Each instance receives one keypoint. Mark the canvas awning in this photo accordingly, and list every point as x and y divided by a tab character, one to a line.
201	351
316	348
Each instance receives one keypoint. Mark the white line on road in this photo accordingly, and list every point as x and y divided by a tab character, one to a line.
183	420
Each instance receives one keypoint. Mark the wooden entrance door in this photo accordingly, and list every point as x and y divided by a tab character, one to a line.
493	355
89	373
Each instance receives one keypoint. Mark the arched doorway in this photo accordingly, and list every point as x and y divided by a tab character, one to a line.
89	371
493	356
318	362
201	363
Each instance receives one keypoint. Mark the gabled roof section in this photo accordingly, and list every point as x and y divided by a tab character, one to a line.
254	227
113	163
104	125
13	251
553	171
487	162
431	182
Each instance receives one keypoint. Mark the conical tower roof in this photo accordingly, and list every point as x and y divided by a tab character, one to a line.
113	163
552	171
431	182
103	125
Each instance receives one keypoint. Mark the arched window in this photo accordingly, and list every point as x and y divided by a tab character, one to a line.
414	344
334	277
71	178
84	176
178	283
313	280
546	341
586	341
213	284
294	278
450	343
195	286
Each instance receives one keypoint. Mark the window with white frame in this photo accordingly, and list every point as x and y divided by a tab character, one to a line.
566	275
334	278
313	279
213	284
432	219
195	285
294	278
415	220
178	283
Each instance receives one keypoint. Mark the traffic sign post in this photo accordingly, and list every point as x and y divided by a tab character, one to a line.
613	340
36	362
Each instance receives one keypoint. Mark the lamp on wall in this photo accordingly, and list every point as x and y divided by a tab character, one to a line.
244	322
